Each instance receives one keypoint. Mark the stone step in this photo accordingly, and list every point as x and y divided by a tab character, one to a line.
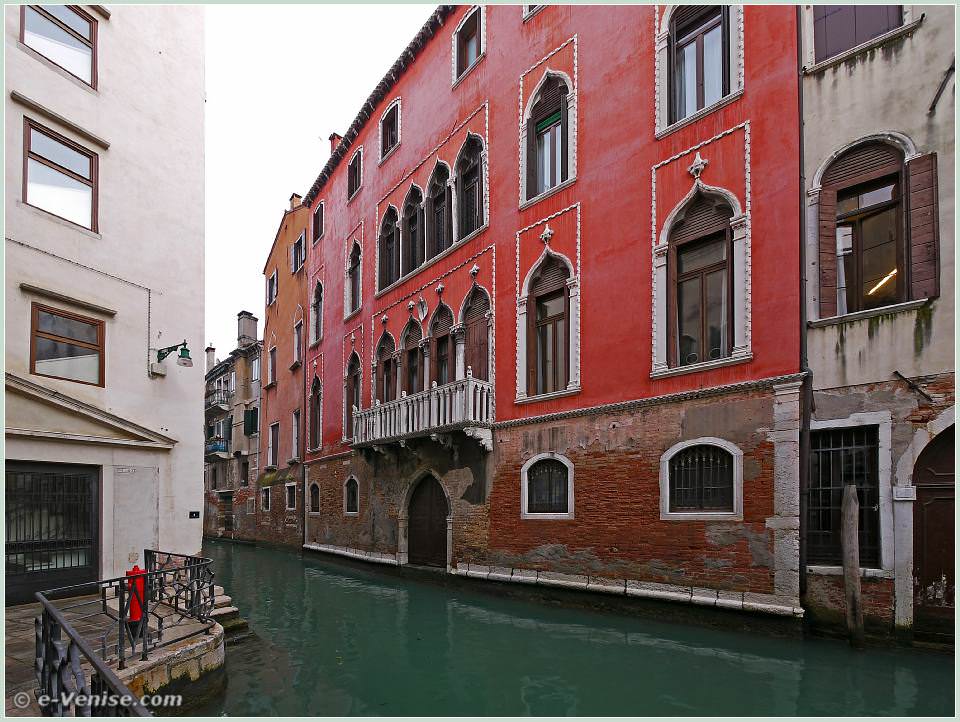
227	612
222	600
217	590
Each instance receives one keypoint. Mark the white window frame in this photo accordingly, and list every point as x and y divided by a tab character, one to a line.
255	368
524	479
351	196
265	494
395	103
310	509
313	222
286	496
271	365
233	379
297	261
347	481
251	506
347	299
735	515
272	453
571	133
530	10
297	342
295	434
481	51
316	320
272	289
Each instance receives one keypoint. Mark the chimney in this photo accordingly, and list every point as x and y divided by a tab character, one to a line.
246	329
295	199
211	359
335	139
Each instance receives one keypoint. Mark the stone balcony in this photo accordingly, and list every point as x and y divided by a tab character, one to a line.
464	405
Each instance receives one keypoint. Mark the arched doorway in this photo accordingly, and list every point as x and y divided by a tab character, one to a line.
427	526
933	524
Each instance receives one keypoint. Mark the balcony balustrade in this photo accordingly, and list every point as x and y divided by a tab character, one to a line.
219	400
216	445
463	404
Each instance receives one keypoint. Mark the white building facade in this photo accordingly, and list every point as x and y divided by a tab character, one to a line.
104	266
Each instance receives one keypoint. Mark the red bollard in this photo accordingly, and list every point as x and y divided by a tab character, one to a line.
136	598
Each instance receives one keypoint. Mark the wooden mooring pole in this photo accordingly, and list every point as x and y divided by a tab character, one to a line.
850	544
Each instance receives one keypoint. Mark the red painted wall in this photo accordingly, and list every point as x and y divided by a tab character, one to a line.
611	51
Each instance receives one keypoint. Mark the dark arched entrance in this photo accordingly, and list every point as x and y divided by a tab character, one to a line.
427	524
933	522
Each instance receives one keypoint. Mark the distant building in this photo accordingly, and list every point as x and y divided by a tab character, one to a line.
104	254
232	447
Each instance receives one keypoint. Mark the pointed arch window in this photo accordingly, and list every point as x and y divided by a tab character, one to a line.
351	394
389	249
314	499
548	313
438	213
386	390
414	231
316	314
353	279
477	333
547	133
470	187
316	414
412	358
442	346
351	497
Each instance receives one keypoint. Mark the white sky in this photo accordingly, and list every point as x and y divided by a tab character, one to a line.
279	80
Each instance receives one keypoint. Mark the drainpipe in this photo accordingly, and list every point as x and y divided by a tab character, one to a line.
806	394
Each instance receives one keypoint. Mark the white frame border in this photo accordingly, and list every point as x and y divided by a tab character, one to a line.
524	470
730	448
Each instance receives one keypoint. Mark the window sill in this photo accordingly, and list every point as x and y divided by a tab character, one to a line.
467	72
269	385
704	366
547	193
866	572
702	113
61	220
701	516
317	240
527	16
351	513
295	365
547	397
296	270
858	315
270	467
294	461
37	55
352	314
546	517
390	152
314	344
863	48
354	194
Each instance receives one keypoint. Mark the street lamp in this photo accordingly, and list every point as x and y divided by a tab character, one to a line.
183	358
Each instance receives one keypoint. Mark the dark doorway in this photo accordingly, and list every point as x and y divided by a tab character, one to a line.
427	524
52	519
933	553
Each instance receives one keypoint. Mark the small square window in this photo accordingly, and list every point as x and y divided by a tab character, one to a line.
64	35
265	498
66	346
60	176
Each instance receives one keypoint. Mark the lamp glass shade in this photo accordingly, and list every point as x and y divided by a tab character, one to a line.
184	359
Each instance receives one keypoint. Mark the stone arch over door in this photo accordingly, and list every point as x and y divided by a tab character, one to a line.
408	521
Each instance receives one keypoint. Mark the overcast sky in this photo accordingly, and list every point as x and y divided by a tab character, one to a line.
279	80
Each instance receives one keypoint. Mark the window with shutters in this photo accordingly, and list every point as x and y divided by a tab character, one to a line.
244	473
442	346
412	358
701	479
351	394
476	324
414	231
297	256
390	129
389	250
699	265
837	28
318	222
351	497
316	414
272	366
386	389
878	242
355	173
547	134
316	314
470	187
314	499
251	421
468	42
353	280
438	212
548	340
547	487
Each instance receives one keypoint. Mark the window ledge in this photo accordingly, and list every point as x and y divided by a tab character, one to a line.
351	513
701	516
270	385
702	113
353	313
293	461
61	220
546	517
313	513
314	344
317	240
354	195
467	72
270	467
390	152
296	270
527	16
547	193
858	315
295	365
704	366
863	47
869	573
547	397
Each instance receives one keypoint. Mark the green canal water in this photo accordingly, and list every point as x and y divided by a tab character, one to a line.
331	639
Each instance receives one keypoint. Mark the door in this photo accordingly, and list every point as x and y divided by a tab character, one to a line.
933	553
427	524
52	517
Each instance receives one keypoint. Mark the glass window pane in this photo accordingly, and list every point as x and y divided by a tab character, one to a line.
57	44
67	327
712	66
847	204
845	269
58	193
71	19
688	336
546	360
549	306
700	256
878	195
558	152
63	155
717	314
561	331
687	80
67	361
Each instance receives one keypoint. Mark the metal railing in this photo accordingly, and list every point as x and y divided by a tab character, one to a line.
131	616
219	397
215	444
465	402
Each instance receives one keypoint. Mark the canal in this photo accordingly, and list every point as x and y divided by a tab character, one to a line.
331	639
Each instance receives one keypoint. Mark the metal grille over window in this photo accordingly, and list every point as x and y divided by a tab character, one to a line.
840	457
701	479
547	488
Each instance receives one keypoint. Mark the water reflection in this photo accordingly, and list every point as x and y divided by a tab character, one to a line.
333	640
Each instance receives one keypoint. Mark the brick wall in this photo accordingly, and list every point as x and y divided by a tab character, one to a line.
826	608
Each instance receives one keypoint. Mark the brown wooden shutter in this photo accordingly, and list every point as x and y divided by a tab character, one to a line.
861	163
923	225
551	276
827	232
701	218
477	310
442	323
413	336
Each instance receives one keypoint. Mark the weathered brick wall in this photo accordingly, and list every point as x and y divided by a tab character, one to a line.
826	608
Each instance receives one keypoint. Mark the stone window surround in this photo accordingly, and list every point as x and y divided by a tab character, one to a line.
481	51
571	136
395	103
346	378
286	496
265	494
524	471
730	448
662	81
358	151
315	337
310	510
353	240
345	483
911	19
883	420
313	218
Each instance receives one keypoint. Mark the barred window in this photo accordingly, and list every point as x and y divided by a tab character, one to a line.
701	479
840	457
547	488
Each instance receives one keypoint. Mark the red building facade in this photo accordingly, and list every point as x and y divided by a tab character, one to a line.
549	269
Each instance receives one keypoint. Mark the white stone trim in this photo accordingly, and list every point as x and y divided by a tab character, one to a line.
285	496
315	239
481	51
403	514
809	50
345	483
528	11
350	552
346	408
524	472
895	138
662	83
352	239
735	515
316	329
359	151
396	102
884	421
785	522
